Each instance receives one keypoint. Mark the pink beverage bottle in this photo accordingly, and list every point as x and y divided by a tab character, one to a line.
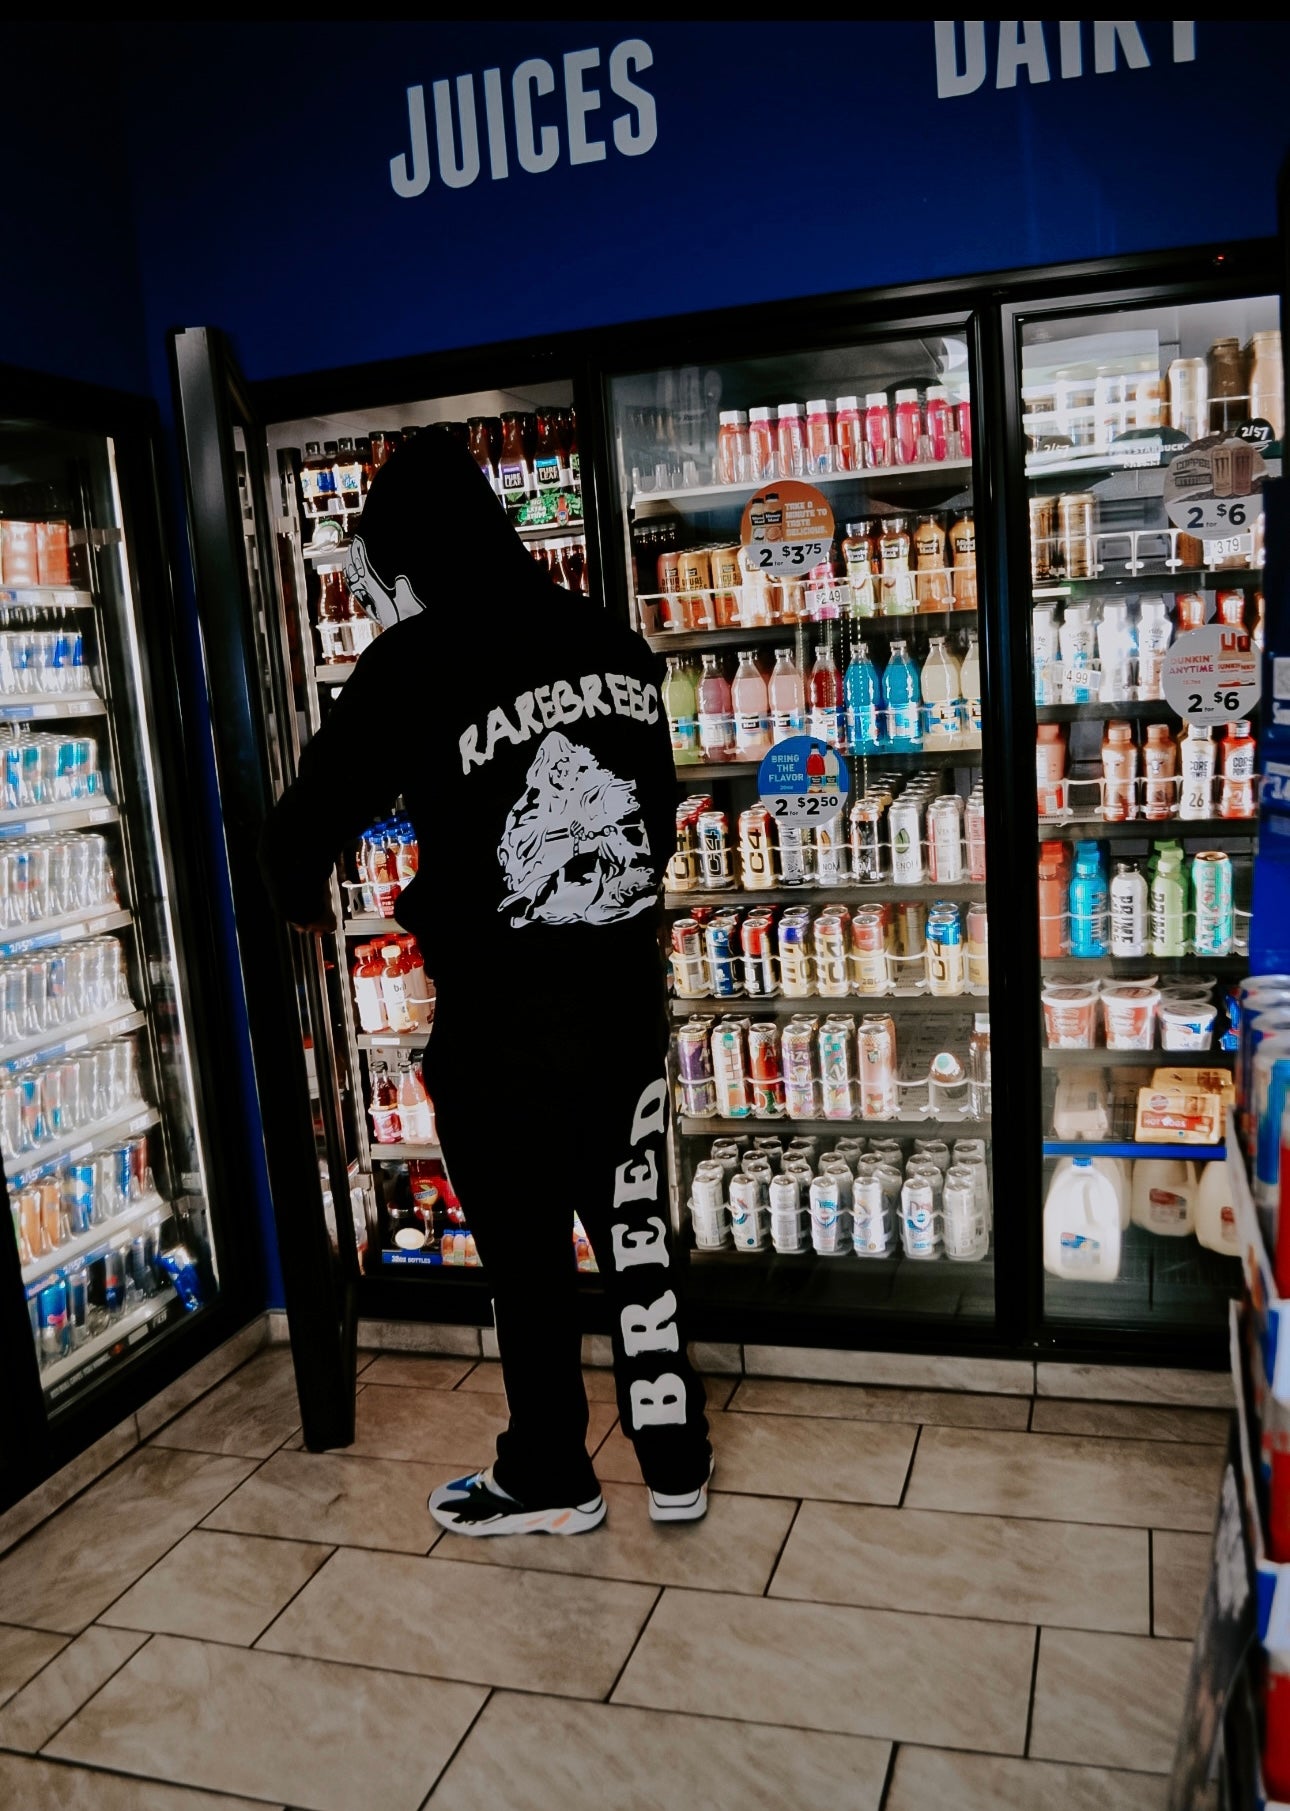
762	456
787	697
791	439
877	429
939	423
716	720
849	434
385	1104
819	437
752	709
416	1120
963	421
909	427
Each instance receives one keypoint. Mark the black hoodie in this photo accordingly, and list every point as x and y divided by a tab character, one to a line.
522	725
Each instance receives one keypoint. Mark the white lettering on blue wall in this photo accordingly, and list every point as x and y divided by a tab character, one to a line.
1026	46
588	118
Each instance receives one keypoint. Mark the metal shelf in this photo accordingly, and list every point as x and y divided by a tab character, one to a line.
98	1239
334	672
34	820
392	1040
1183	578
1143	710
1169	829
49	707
49	932
1128	968
673	641
121	1332
47	597
371	924
85	1141
705	496
405	1153
842	893
1092	1147
898	1128
791	1003
1102	1058
552	531
66	1039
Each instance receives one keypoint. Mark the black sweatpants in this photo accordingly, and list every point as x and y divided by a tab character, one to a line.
582	1126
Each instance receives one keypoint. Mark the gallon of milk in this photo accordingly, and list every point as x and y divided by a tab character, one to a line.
1082	1223
1164	1196
1215	1212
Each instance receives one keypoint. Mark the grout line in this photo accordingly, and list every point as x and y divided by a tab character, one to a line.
792	1523
281	1612
888	1776
909	1470
54	1734
69	1766
649	1617
435	1782
1030	1415
1151	1581
1030	1702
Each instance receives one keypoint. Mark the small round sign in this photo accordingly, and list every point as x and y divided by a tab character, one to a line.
803	781
1212	675
786	528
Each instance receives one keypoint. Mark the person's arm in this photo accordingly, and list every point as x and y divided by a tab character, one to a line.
338	790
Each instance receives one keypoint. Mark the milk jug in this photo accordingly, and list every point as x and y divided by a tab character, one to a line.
1215	1212
1164	1196
1082	1223
1120	1172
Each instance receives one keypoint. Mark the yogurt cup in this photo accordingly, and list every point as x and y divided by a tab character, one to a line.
1129	1014
1187	1027
1070	1015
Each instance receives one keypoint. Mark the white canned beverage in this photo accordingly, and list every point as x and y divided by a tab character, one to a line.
889	1151
872	1233
730	1070
794	869
919	1227
869	964
837	1099
801	1170
747	1218
967	1237
892	1184
876	1044
726	1152
945	838
905	828
801	1080
829	936
1213	921
974	826
828	856
833	1165
786	1231
936	1149
709	1227
708	1189
850	1148
807	1143
829	1235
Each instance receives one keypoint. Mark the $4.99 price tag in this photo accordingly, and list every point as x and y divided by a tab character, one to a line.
786	528
802	781
1212	675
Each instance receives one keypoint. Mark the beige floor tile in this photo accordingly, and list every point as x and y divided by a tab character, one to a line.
1135	1383
909	1370
1130	1421
815	1666
22	1653
733	1548
491	1624
1180	1572
330	1497
1108	1700
926	1778
996	1567
251	1414
41	1708
419	1336
30	1511
199	1378
792	1456
417	1371
439	1425
534	1754
1127	1483
36	1785
724	1359
266	1725
486	1380
861	1402
84	1557
218	1587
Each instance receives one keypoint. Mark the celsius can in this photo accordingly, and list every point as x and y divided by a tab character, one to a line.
828	1232
756	856
801	1083
689	964
836	1095
945	970
764	1067
758	941
829	935
919	1232
786	1231
833	1165
866	840
694	1066
794	869
714	849
794	958
871	1225
721	945
945	838
906	834
1212	914
876	1044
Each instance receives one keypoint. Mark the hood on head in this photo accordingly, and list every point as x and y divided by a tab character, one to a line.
430	521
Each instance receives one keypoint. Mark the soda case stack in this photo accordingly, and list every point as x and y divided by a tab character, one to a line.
1192	778
47	878
1097	650
44	1102
34	553
387	862
39	661
47	769
879	1198
1179	906
69	985
814	1068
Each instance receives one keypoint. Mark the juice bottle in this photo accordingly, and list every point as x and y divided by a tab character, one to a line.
909	427
787	697
548	458
963	422
1054	869
752	710
1154	633
857	553
849	434
863	692
1169	903
963	560
420	993
932	577
1237	796
1088	902
938	421
763	460
896	588
1119	773
716	712
394	988
1050	768
1160	764
1043	644
682	710
366	975
385	1103
416	1121
790	439
1199	760
902	700
826	698
732	447
819	436
877	429
514	471
970	686
942	694
317	480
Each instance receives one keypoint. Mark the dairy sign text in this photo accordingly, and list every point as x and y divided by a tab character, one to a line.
1046	50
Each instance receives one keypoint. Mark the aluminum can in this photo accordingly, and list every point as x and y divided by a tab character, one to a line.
836	1079
694	1066
872	1232
829	936
827	854
747	1218
756	855
920	1232
797	1059
1270	1092
833	1165
787	1233
974	831
765	1069
78	1195
721	946
78	1304
730	1069
1043	540
829	1234
714	849
876	1061
867	847
708	1188
52	1311
794	868
756	1168
1213	920
911	926
945	838
978	946
904	828
758	941
112	1285
945	965
108	1202
726	1152
966	1235
709	1223
689	958
141	1181
683	866
850	1148
794	956
98	888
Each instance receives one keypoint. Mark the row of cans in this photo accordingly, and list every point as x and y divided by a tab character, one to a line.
48	770
909	947
62	987
42	662
49	1100
74	1305
919	835
732	1068
80	1196
49	877
877	1204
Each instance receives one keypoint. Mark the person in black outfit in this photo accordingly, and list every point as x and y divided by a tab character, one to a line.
524	728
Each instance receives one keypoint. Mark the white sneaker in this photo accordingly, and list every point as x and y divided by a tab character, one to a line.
689	1506
476	1505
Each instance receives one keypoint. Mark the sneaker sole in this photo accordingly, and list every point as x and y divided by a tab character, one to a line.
685	1509
579	1520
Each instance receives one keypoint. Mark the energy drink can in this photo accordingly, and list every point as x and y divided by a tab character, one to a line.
966	1235
714	850
876	1046
52	1316
730	1069
787	1234
978	947
1213	920
828	856
829	935
758	942
945	838
829	1235
867	848
974	829
721	942
689	959
945	969
836	1079
708	1207
872	1233
694	1066
765	1070
683	867
797	1060
112	1281
756	856
78	1304
794	867
747	1220
794	958
905	831
919	1222
1271	1090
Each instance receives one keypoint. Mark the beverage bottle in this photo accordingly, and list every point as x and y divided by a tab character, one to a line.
1054	865
849	432
1113	647
1256	633
1154	633
406	854
379	868
420	991
394	988
681	708
1237	796
572	457
349	475
1128	911
716	718
970	686
1191	610
732	446
857	555
1119	773
1043	643
932	578
863	692
963	422
1076	638
790	439
979	1087
1160	764
819	436
909	427
1088	902
826	698
481	447
416	1120
333	615
763	459
1198	760
548	457
942	694
896	584
787	697
902	700
1050	768
1169	903
1229	607
317	480
938	421
366	975
385	1103
877	429
514	471
752	709
963	560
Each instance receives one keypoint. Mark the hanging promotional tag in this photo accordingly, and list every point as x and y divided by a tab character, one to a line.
802	781
786	527
1213	490
1212	675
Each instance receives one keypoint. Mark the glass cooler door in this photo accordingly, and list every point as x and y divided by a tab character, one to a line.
829	984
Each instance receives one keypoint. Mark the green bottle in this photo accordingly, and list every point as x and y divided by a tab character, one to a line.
681	705
1169	903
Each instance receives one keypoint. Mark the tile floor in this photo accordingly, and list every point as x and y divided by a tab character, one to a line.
902	1598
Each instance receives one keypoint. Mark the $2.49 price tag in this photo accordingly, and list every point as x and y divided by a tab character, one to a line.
1212	675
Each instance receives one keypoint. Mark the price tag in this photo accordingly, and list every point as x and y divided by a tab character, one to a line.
802	781
1213	490
786	528
1212	675
1210	517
